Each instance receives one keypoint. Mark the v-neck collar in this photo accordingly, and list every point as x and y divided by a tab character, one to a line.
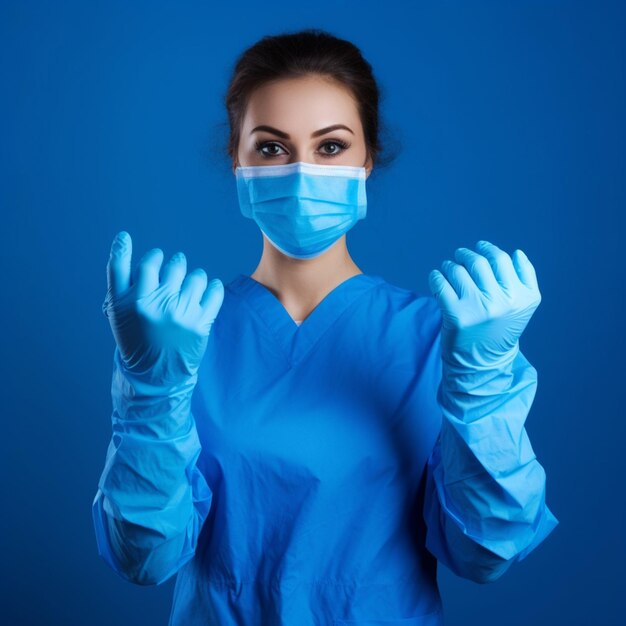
296	341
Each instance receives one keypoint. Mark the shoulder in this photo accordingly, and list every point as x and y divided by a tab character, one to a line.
405	318
409	306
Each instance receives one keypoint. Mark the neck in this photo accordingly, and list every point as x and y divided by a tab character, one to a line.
300	284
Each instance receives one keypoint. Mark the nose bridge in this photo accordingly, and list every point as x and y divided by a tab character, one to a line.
303	150
307	155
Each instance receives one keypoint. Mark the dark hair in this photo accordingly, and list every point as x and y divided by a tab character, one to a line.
308	51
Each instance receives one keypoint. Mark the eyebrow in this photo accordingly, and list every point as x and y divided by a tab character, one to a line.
317	133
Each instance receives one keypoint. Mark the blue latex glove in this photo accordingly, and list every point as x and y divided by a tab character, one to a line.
490	488
161	328
487	299
152	499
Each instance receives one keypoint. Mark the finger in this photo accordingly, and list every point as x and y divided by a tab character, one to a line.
442	290
192	288
212	299
525	269
118	266
174	272
501	264
148	272
459	278
478	268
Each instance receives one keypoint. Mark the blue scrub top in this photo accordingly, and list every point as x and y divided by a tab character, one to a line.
315	467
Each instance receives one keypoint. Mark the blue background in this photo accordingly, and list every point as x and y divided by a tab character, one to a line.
509	122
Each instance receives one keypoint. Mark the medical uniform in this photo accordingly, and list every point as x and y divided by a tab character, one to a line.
302	483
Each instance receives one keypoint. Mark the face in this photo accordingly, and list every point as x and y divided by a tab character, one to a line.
295	115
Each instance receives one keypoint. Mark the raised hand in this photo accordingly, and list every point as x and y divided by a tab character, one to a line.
161	327
487	298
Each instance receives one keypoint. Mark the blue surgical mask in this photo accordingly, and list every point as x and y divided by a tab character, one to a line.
302	208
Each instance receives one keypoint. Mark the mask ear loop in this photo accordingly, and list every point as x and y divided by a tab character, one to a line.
366	172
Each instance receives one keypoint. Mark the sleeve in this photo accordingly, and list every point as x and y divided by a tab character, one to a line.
484	503
152	499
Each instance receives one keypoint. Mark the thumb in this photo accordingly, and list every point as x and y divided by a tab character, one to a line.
442	290
212	299
118	267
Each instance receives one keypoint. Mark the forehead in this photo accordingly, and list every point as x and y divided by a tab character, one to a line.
303	102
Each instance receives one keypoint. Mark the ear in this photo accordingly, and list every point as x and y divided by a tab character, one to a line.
368	166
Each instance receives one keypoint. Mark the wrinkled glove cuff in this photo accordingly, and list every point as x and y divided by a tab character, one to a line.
465	376
148	409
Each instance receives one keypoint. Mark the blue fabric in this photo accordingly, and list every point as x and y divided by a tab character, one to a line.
302	208
318	478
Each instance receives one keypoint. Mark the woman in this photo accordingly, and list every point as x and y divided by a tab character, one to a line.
303	444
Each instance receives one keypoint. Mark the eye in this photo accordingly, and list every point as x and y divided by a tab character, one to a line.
260	145
336	142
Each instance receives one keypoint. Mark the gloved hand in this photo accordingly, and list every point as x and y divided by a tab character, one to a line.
161	328
486	299
486	480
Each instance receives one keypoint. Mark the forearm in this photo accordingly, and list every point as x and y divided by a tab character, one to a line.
152	499
490	487
446	536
